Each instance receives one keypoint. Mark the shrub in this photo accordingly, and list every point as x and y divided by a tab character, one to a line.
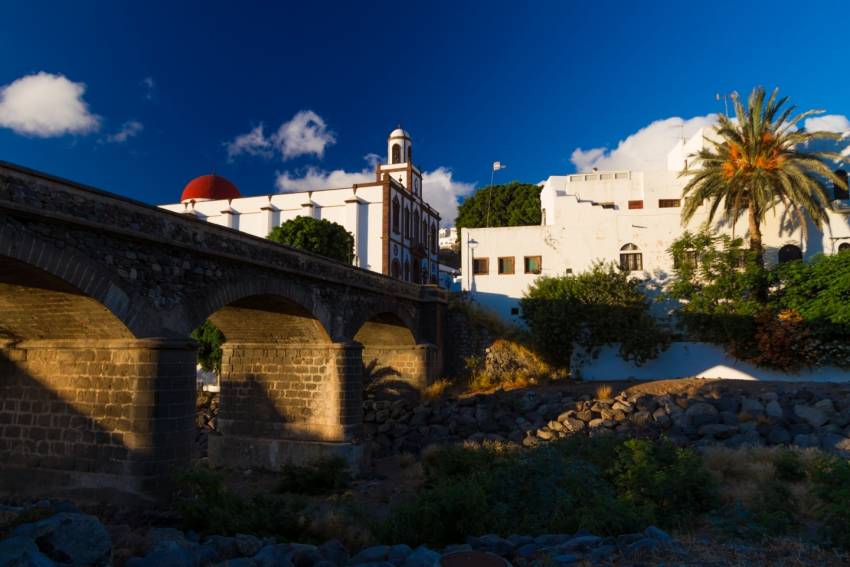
599	307
789	466
832	485
670	482
323	476
210	339
508	363
775	508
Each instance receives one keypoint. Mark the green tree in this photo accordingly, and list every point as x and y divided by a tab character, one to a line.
756	163
598	307
511	204
210	339
320	236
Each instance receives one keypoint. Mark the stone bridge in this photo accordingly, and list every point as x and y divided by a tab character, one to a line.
98	297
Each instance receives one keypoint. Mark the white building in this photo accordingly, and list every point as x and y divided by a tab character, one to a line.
628	217
448	237
394	228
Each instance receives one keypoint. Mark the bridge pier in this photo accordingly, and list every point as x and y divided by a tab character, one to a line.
96	413
289	403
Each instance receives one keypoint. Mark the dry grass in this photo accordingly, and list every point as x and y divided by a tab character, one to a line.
436	390
510	364
604	392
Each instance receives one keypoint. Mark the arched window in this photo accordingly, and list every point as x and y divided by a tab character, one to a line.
631	260
433	238
409	154
396	154
406	222
396	208
789	253
844	246
395	270
423	231
415	227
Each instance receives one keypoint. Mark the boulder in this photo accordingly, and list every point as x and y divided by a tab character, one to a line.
372	554
335	552
717	430
701	413
225	546
778	435
580	543
751	406
70	539
810	440
836	443
493	544
811	415
422	556
275	555
22	552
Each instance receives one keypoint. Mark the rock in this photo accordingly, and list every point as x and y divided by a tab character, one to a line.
549	540
813	416
580	543
747	439
307	557
70	538
565	559
398	554
658	535
275	555
22	552
701	413
810	440
238	562
458	548
574	425
422	557
729	418
774	410
248	545
778	435
528	550
836	443
373	554
335	552
164	539
641	418
493	544
601	554
641	545
190	555
825	405
225	546
544	434
751	406
717	430
520	540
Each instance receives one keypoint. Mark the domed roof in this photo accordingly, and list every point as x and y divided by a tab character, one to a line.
399	133
209	188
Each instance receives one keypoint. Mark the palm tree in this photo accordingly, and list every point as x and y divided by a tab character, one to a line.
758	161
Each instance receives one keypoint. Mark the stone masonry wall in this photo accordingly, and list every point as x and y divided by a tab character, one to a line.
113	407
414	365
297	391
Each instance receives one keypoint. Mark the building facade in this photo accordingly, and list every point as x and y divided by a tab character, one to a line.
627	217
394	228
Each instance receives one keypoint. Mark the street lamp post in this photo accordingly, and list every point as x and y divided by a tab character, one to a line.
471	244
497	165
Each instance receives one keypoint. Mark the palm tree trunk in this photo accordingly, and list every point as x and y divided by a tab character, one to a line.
757	248
755	236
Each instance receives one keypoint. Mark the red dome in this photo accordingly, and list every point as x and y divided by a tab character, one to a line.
209	188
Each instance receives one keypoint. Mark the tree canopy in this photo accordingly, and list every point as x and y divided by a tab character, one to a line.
320	236
510	204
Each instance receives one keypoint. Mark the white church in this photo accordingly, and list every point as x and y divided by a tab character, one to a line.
627	217
394	228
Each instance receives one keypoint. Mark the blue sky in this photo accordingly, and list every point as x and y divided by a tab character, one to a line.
138	99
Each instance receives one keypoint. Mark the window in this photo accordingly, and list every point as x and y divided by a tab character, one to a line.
789	253
406	222
396	207
415	227
608	205
844	246
669	203
514	310
688	259
506	265
635	204
630	259
396	154
434	239
533	264
481	266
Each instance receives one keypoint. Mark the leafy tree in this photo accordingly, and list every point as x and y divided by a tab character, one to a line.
209	351
320	236
595	308
756	164
511	204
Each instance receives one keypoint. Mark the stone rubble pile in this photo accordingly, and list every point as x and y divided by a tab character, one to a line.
206	419
73	538
789	416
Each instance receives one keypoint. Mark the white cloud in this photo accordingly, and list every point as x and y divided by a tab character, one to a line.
150	87
645	149
441	191
439	188
837	123
46	105
305	134
129	129
252	143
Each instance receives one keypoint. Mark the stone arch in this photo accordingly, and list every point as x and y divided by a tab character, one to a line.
265	310
385	329
393	362
396	154
45	294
